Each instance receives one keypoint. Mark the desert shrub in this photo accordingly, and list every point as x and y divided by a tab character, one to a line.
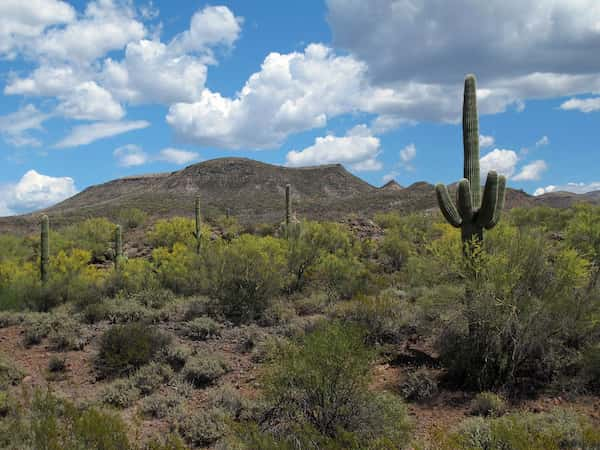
323	384
342	277
162	404
175	356
121	393
67	336
383	315
203	427
419	386
168	232
124	310
134	275
124	348
591	367
57	364
132	218
228	226
394	250
315	303
488	404
197	307
179	269
202	370
233	402
517	326
201	328
93	235
245	274
53	423
545	217
559	429
10	375
313	240
279	312
150	377
10	318
62	331
153	298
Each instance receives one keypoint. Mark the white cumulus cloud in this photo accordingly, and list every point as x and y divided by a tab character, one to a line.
531	171
577	188
486	141
35	191
501	160
586	105
130	155
177	156
358	150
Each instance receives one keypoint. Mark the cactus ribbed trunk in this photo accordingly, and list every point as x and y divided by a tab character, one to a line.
288	205
118	246
198	231
45	249
471	139
473	212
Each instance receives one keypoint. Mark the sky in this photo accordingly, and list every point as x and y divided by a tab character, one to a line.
97	90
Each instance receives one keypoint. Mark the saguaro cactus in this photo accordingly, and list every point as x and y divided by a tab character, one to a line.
44	249
474	213
288	205
198	232
118	246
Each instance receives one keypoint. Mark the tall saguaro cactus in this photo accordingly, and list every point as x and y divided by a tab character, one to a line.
288	205
198	231
474	212
44	249
118	247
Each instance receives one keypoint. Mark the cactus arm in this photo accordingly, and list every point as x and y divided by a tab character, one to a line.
500	204
447	206
490	200
471	139
465	200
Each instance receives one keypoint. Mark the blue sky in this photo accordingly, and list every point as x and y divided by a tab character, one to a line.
95	90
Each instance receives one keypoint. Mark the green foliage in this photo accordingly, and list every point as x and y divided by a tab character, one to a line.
201	328
121	393
168	232
161	405
150	377
419	386
124	348
132	218
545	217
245	274
488	404
179	268
202	370
342	277
394	250
57	364
51	423
557	430
93	235
203	427
323	384
10	375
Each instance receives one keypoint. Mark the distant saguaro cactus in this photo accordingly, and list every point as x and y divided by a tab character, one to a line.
118	247
474	213
44	249
198	232
288	205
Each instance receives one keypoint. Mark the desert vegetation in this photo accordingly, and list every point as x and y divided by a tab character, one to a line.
303	335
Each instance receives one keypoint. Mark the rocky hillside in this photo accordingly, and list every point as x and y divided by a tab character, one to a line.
254	191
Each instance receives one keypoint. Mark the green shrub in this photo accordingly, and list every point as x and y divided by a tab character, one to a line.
161	405
56	364
121	393
180	269
394	250
557	430
168	232
201	328
245	274
323	385
419	386
125	348
10	375
175	356
153	298
150	377
591	367
231	400
125	310
488	404
203	428
132	218
342	277
202	370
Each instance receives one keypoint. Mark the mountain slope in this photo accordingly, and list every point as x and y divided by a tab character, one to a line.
254	192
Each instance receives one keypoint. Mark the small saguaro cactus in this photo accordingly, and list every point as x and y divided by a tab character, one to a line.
118	246
198	231
474	213
44	249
